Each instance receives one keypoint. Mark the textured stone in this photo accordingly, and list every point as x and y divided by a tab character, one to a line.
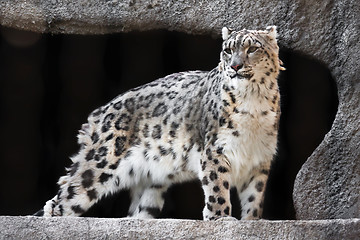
328	185
98	228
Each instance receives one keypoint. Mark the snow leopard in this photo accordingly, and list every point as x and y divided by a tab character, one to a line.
217	126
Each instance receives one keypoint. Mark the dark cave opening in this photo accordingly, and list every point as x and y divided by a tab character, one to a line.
50	83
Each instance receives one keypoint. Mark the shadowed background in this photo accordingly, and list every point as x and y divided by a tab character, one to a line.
50	83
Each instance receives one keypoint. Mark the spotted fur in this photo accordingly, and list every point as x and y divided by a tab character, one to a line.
219	127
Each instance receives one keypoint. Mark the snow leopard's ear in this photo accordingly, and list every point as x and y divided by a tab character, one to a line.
225	33
272	33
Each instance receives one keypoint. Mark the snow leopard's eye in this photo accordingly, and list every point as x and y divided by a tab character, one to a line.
252	49
227	50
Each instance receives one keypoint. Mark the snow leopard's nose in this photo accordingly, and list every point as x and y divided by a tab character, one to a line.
237	67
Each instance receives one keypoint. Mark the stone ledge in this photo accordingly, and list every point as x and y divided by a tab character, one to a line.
101	228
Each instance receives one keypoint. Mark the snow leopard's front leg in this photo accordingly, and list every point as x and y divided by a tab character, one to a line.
251	192
215	176
147	202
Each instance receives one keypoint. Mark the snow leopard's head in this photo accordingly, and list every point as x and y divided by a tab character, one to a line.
249	52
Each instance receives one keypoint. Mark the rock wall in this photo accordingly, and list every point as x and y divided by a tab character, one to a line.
328	185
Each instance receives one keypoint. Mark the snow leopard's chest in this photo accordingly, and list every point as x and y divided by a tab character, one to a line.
248	129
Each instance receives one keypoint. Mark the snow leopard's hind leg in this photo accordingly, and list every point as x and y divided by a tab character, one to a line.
93	174
78	192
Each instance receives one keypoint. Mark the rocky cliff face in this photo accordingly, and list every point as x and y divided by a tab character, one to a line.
328	185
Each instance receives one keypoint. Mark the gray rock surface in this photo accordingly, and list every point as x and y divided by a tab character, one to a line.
328	185
97	228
